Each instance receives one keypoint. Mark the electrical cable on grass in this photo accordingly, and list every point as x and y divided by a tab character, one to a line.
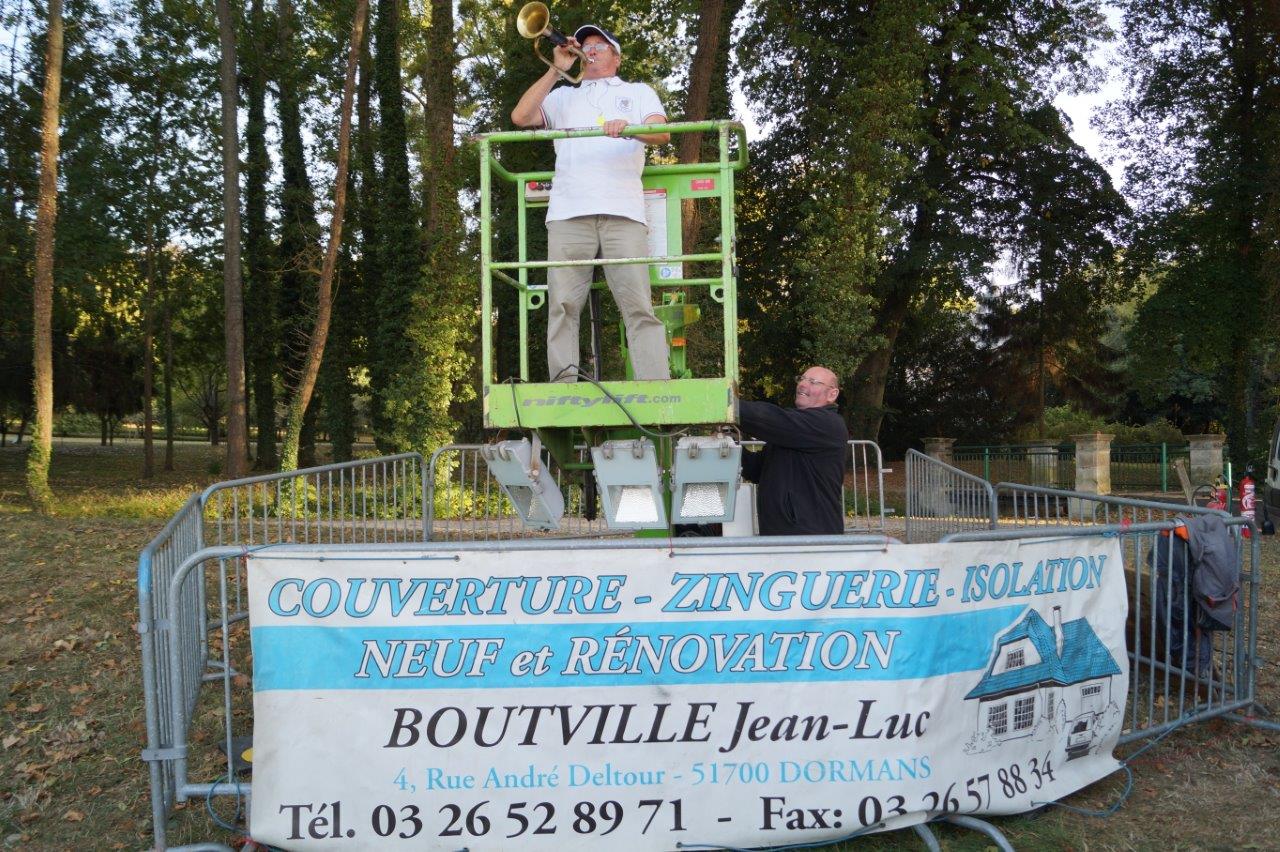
1128	784
208	803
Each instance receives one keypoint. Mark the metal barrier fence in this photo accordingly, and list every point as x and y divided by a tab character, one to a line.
1029	505
194	628
1179	673
465	502
942	499
358	502
377	500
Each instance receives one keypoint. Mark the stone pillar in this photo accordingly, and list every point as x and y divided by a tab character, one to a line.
1206	458
1093	462
940	449
1042	454
936	496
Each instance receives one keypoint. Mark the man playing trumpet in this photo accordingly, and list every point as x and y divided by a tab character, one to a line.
597	199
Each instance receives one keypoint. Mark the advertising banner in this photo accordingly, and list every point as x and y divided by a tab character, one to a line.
644	697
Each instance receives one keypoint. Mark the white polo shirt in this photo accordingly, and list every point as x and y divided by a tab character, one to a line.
600	175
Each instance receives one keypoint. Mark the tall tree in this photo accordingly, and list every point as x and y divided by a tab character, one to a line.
416	346
838	152
299	249
708	72
237	456
1199	120
324	302
261	326
40	453
1048	319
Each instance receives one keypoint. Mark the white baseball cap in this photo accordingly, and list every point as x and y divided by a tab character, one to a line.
591	29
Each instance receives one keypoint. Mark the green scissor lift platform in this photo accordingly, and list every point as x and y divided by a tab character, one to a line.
696	400
565	414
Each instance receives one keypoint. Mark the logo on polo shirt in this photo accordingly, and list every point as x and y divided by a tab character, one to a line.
623	104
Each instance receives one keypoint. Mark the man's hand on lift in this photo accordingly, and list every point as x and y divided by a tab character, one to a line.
614	127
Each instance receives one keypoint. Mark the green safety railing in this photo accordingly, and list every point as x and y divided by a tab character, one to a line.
723	288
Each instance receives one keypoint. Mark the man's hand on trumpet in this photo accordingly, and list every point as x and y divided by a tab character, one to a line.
565	56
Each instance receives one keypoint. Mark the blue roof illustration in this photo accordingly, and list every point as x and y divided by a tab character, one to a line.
1084	657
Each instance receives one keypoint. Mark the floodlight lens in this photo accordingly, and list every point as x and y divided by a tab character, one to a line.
636	505
702	500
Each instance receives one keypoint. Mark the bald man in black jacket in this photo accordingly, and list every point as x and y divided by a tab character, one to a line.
800	471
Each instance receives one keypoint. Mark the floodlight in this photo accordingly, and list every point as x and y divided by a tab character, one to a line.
705	473
630	484
518	467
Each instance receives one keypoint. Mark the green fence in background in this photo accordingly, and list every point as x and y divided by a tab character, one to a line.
1051	465
1146	467
1134	467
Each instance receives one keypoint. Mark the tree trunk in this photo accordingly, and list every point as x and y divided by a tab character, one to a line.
714	19
237	456
865	410
41	451
148	369
262	332
440	94
324	298
299	250
392	348
1246	57
168	387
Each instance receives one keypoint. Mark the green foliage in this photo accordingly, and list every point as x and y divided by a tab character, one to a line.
1064	421
1198	122
805	290
910	148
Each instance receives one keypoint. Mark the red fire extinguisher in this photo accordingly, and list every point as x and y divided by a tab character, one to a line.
1219	500
1248	492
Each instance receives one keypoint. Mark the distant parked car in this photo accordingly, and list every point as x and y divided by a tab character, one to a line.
1271	484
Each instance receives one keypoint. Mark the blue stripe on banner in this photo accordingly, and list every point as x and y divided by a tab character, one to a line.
627	654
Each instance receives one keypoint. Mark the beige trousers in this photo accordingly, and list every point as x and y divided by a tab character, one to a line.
585	238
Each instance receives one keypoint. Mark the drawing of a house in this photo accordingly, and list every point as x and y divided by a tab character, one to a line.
1037	671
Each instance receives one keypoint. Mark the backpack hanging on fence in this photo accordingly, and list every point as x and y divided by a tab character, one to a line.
1215	570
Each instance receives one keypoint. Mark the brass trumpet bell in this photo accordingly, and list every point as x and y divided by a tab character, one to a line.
534	21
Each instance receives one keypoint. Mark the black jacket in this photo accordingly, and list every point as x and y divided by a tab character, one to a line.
800	471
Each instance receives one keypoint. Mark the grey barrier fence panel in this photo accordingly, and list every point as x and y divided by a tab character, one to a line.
1030	505
1178	673
943	499
164	623
358	502
371	500
464	502
863	492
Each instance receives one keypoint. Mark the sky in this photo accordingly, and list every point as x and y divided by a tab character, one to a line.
1081	109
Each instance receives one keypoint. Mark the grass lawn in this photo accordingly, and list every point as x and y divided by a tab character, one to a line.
71	720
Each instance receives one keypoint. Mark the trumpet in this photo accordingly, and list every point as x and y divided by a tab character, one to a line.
534	21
